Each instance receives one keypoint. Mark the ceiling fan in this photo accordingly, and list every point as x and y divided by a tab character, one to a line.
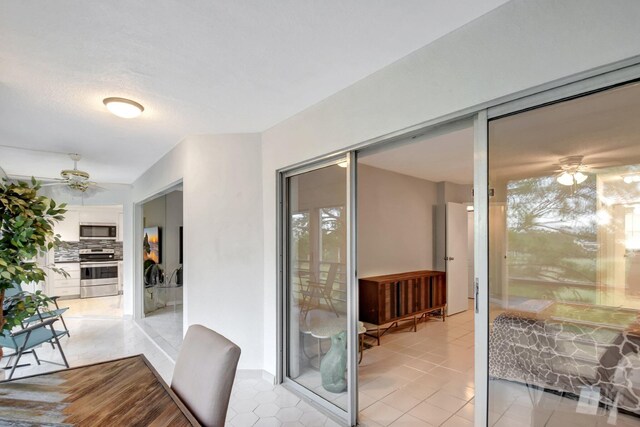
74	179
572	171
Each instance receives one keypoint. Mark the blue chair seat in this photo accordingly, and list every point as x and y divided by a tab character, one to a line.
27	339
46	315
36	338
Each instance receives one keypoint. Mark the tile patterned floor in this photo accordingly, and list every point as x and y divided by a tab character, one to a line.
256	402
426	378
412	379
94	340
422	378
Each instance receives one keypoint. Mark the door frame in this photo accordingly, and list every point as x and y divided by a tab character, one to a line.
481	267
579	88
582	83
138	281
351	413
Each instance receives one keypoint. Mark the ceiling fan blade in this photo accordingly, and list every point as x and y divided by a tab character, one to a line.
96	186
51	184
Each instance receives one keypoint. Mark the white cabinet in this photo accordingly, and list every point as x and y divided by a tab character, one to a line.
66	286
69	228
99	215
120	227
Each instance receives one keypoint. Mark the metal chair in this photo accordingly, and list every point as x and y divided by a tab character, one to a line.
154	277
41	314
26	340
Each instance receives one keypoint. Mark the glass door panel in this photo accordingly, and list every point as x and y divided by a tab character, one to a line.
564	275
317	279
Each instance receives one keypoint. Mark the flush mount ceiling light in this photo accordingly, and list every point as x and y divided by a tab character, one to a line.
571	171
123	107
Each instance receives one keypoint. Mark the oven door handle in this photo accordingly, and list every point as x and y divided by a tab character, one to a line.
99	264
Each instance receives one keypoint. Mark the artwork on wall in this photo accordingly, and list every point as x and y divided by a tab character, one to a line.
151	246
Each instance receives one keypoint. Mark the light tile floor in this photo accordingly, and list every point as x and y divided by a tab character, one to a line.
97	308
426	378
98	339
422	378
412	379
164	326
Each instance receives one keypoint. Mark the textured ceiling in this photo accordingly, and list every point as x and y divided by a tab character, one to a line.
603	127
198	67
446	157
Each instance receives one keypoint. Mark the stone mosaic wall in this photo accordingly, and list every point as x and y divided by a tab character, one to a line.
69	252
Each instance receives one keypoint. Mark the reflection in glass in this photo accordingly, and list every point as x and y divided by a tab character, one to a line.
564	270
317	321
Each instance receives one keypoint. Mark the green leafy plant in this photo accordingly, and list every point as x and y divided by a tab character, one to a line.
17	308
26	231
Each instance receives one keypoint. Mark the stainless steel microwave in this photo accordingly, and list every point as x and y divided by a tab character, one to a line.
98	231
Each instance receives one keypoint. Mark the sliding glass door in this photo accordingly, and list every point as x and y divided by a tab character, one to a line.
319	313
564	262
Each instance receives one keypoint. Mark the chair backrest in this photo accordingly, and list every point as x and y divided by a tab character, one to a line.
331	278
204	374
14	290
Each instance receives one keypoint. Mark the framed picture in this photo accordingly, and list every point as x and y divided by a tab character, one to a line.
152	245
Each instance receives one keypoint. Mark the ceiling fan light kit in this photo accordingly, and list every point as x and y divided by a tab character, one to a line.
630	179
123	107
74	179
568	178
572	171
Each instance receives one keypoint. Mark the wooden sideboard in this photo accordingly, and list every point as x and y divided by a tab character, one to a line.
393	297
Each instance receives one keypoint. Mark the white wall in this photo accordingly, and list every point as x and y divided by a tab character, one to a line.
523	44
229	191
454	193
155	215
173	221
395	222
223	233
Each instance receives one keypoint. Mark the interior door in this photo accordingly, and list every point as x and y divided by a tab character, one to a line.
456	258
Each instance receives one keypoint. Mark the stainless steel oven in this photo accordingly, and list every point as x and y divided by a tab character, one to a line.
98	273
95	231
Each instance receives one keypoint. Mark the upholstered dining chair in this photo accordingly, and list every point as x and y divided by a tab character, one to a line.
204	374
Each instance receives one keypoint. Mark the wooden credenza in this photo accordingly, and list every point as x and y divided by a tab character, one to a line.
389	298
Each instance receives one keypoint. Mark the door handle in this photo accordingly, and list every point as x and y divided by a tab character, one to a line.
448	258
477	286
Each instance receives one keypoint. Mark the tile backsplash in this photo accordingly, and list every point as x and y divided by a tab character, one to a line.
69	252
